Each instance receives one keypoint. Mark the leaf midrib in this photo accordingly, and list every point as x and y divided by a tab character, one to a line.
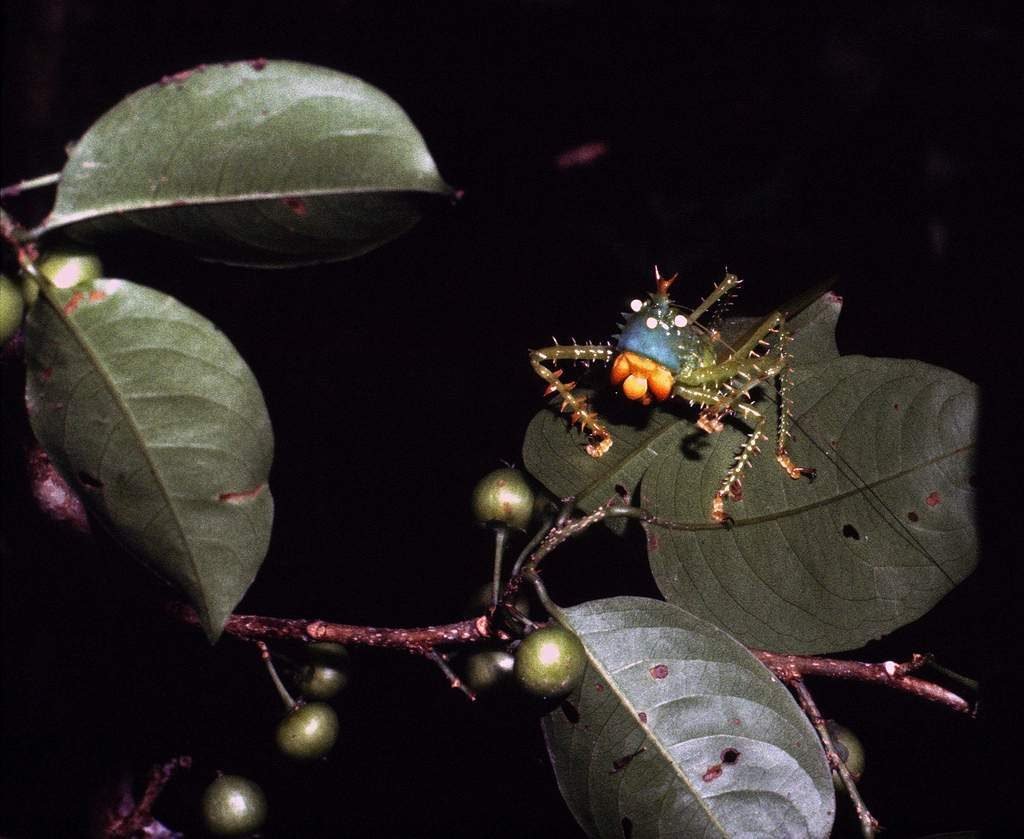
58	221
80	338
648	732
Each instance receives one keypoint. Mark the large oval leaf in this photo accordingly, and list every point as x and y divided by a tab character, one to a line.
881	535
266	163
885	531
157	422
678	731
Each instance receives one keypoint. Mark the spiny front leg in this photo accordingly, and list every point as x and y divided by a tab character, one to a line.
599	438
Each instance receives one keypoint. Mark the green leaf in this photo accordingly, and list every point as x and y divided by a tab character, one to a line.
554	454
152	416
268	163
677	730
885	531
878	538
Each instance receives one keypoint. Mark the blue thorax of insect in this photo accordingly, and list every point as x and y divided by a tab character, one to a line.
663	352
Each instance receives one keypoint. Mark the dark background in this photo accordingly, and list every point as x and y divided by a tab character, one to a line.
790	144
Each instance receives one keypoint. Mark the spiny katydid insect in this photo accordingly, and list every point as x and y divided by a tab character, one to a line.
663	352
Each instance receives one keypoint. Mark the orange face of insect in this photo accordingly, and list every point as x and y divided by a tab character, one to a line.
642	378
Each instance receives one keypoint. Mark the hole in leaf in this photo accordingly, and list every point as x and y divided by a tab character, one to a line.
850	532
627	827
571	714
912	516
89	481
730	756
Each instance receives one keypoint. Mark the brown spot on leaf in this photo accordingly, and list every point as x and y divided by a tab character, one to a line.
96	295
933	499
258	64
625	760
712	772
913	516
642	716
89	481
896	406
181	76
296	205
598	687
652	541
736	721
659	671
241	497
72	304
46	374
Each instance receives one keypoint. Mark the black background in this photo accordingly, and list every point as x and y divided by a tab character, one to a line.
789	143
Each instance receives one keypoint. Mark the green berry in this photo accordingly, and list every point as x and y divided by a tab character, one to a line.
328	652
850	750
308	732
503	497
233	806
550	662
319	681
12	307
487	670
67	267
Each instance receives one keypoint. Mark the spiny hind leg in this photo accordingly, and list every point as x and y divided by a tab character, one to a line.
714	406
747	374
599	439
750	368
785	418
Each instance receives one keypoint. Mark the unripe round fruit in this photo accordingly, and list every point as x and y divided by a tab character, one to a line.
850	749
318	681
233	806
487	670
308	732
550	662
12	308
67	267
503	497
330	653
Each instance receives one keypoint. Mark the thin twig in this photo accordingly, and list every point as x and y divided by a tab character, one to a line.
500	539
868	823
282	691
139	817
451	675
11	190
416	640
887	674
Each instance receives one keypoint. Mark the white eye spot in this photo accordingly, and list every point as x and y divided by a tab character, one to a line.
651	322
636	305
680	321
